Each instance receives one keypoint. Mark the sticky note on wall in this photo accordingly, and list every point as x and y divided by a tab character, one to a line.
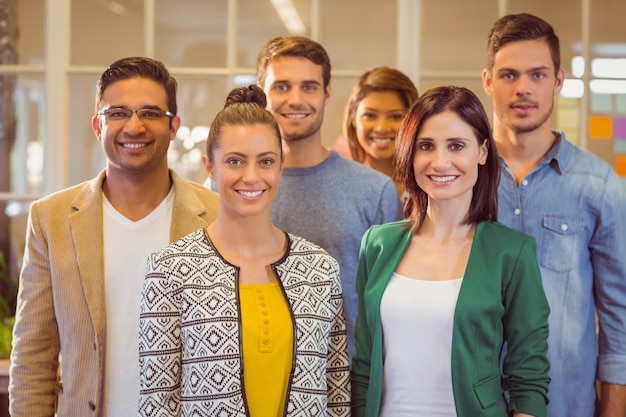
619	127
620	165
600	127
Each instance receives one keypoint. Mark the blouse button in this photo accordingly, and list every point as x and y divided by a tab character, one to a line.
564	227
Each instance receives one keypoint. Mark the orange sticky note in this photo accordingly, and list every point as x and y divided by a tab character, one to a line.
600	127
620	165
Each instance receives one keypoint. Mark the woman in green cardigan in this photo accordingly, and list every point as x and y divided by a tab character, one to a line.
442	292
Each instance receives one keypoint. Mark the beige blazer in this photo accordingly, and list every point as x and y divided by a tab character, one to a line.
61	297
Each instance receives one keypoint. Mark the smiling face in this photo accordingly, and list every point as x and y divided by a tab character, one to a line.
296	96
135	146
446	159
246	168
523	84
377	119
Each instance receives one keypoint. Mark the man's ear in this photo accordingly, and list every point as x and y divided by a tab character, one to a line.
560	79
487	82
96	126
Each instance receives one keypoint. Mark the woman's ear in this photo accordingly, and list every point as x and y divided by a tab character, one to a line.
483	151
207	165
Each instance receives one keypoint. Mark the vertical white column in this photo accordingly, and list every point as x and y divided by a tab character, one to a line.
56	137
409	42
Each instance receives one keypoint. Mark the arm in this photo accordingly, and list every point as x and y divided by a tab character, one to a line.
35	355
609	270
612	400
526	332
338	365
160	358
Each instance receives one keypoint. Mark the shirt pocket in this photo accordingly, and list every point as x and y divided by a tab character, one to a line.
561	242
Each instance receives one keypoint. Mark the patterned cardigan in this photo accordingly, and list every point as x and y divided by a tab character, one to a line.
190	348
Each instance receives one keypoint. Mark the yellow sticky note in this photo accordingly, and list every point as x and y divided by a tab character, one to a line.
600	127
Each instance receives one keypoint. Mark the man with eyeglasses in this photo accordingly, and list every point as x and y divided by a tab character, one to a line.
75	346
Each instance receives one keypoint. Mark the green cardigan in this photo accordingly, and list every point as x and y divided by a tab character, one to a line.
501	300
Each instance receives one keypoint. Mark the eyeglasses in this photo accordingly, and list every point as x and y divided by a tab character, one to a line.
118	114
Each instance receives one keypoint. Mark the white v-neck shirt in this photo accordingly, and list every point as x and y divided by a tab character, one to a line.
127	245
417	318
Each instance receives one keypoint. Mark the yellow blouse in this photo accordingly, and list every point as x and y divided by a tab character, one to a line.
267	336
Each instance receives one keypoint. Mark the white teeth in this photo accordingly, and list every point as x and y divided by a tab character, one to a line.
250	193
134	145
443	179
381	140
295	116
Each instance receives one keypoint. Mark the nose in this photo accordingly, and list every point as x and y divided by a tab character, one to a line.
522	86
383	124
441	159
134	124
250	174
294	96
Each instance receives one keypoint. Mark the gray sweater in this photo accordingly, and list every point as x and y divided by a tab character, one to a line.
332	204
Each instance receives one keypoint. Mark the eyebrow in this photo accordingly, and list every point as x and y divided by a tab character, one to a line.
243	155
147	107
533	69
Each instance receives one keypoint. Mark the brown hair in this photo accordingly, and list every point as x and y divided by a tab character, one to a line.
293	46
379	79
141	67
244	106
463	102
522	27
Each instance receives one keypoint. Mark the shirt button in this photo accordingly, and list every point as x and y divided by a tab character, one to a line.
564	227
517	211
524	182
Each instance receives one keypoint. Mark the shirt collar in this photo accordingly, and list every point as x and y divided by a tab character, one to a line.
555	157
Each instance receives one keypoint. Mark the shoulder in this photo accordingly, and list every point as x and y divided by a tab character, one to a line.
356	169
298	244
579	160
195	243
72	196
497	237
389	231
193	188
312	254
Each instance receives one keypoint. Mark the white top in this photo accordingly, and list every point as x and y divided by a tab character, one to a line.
417	318
127	245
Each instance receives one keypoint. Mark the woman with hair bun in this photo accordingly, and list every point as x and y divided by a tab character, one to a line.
242	318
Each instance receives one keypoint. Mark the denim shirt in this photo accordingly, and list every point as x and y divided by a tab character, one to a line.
573	204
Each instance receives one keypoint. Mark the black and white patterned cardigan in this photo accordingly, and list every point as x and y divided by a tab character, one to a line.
190	349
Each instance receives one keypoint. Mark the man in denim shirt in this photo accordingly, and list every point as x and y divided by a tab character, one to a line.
573	204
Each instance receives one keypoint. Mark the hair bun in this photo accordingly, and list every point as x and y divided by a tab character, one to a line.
250	94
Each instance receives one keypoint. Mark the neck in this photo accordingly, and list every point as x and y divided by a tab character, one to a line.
136	196
304	153
248	237
522	151
446	220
